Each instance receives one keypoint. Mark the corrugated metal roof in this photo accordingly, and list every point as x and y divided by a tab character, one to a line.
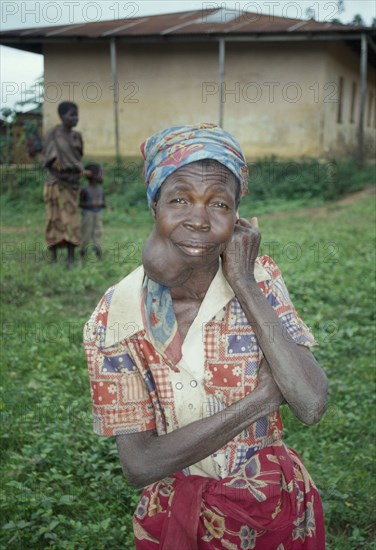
195	25
198	22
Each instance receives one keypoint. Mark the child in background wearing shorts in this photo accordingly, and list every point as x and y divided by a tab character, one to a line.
91	204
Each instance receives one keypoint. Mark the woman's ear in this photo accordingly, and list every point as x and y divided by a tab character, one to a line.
154	209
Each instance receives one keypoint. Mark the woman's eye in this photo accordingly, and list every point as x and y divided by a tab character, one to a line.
220	204
179	200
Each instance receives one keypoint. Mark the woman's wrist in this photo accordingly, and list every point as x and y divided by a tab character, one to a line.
247	288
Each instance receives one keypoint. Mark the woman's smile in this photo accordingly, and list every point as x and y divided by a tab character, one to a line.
196	248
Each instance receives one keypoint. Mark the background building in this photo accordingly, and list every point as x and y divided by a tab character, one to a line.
284	87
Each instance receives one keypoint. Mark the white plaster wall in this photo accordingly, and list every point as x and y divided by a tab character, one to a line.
279	98
341	139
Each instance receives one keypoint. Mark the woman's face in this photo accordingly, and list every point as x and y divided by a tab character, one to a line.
196	211
70	118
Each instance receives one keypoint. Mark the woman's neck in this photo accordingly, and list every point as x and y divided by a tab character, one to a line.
66	129
196	286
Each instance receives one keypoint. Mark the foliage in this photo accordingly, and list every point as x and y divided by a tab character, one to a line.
62	486
33	101
340	6
270	179
310	13
7	115
358	20
33	96
7	118
5	145
307	179
272	182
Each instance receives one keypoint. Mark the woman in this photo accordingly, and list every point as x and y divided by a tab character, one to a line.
62	153
192	354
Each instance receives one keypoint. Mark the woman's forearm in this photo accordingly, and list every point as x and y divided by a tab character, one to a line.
296	372
147	457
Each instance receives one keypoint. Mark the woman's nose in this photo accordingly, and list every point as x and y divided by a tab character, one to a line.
198	219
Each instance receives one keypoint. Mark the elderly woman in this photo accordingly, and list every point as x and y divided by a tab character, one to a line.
62	153
192	355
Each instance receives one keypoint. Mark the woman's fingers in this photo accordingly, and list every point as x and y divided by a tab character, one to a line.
254	222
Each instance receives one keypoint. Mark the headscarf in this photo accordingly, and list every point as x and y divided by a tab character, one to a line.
175	147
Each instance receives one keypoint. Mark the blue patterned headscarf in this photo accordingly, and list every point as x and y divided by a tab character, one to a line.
175	147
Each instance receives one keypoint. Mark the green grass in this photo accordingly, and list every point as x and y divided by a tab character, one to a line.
62	486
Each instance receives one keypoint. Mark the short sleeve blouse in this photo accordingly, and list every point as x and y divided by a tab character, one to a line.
136	387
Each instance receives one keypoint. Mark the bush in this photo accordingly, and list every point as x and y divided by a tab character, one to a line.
273	179
270	180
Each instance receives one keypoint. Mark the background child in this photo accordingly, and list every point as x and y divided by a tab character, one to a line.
91	204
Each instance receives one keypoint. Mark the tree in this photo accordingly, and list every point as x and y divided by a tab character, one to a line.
33	96
358	20
7	115
341	6
310	13
7	118
29	138
340	10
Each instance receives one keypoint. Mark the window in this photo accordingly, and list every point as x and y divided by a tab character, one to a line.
340	99
353	102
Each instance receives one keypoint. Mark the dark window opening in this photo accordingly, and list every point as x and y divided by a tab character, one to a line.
370	105
353	102
340	99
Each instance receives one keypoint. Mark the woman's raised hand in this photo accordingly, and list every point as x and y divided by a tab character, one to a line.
238	259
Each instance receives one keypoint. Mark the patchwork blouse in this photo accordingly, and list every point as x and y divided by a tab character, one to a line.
137	384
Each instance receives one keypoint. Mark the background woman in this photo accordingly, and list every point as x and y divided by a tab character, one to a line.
62	153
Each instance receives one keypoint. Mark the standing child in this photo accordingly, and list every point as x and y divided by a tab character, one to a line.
91	204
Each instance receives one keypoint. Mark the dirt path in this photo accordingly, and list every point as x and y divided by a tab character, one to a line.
9	229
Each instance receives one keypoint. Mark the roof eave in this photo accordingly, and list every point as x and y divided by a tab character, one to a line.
35	44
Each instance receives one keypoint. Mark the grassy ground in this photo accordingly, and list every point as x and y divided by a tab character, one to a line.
62	486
